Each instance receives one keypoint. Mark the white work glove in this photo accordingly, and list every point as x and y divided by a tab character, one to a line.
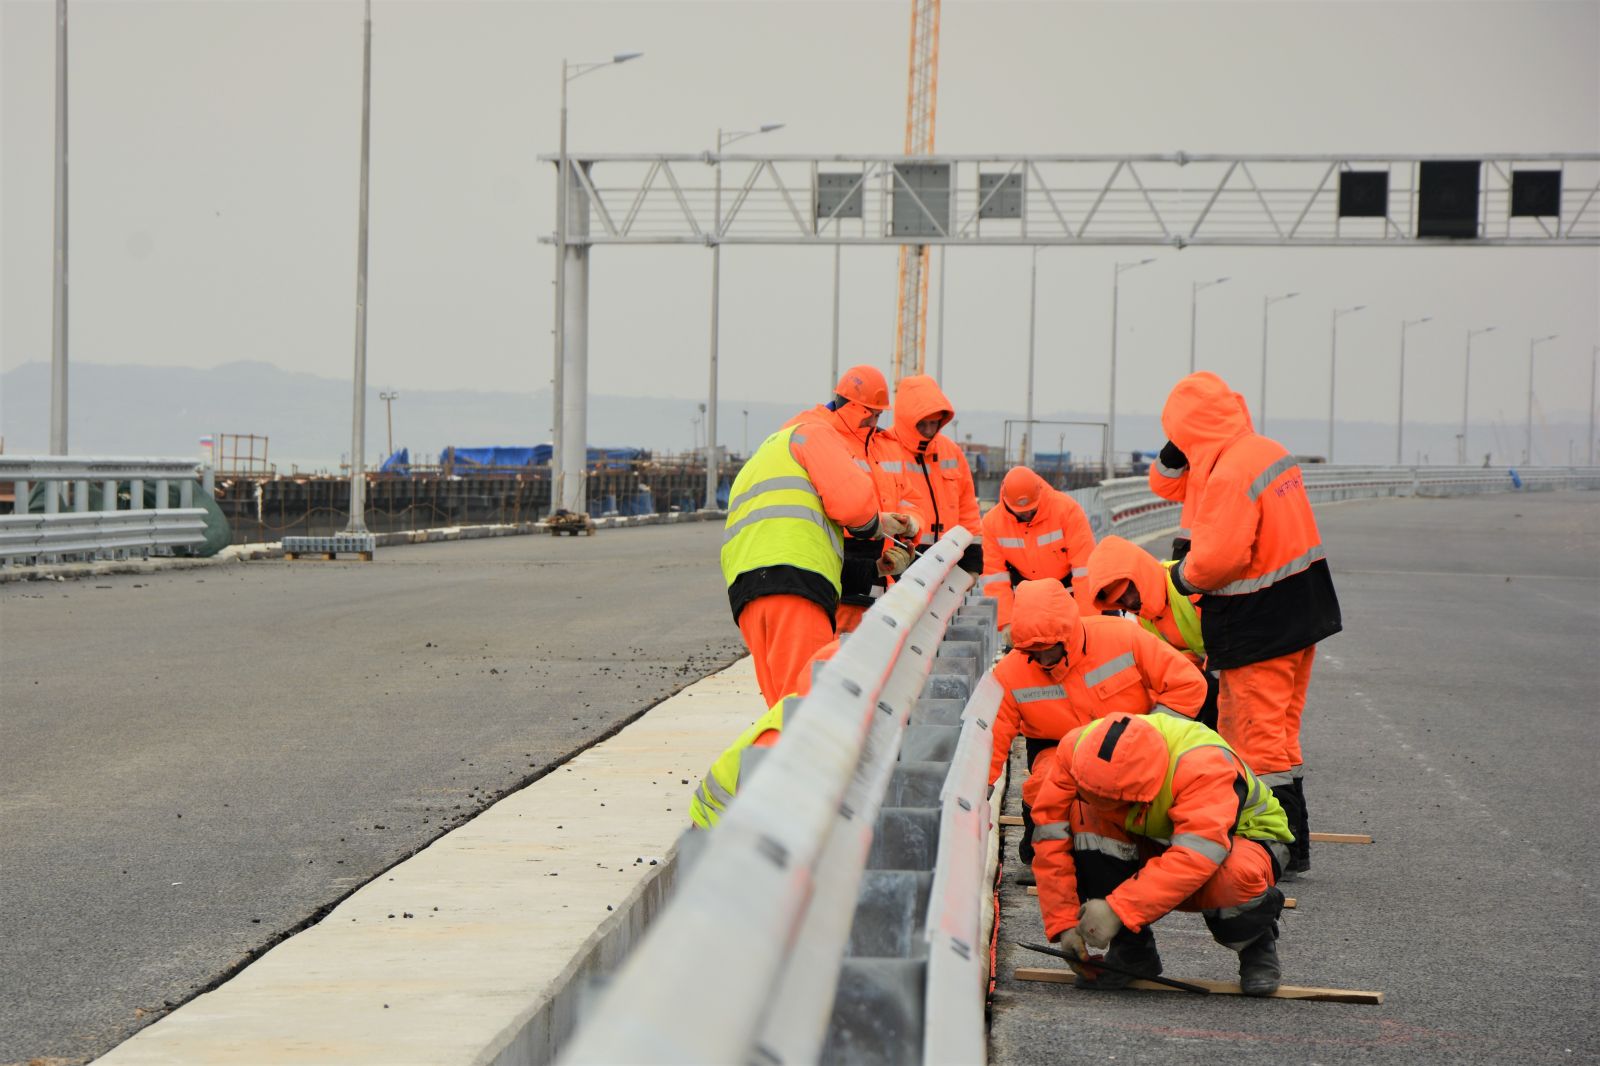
1005	637
894	560
898	524
1072	943
1098	923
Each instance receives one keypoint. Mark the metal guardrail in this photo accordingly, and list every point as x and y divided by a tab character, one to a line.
71	527
1128	508
809	928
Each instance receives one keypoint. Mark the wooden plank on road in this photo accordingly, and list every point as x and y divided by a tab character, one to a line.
1221	988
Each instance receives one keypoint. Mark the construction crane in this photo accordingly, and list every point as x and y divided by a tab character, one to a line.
911	341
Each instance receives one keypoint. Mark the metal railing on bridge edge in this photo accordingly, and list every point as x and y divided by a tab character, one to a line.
81	514
835	912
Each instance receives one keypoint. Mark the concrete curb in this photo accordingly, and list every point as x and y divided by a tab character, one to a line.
238	553
478	949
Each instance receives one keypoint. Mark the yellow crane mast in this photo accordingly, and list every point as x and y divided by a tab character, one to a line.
910	345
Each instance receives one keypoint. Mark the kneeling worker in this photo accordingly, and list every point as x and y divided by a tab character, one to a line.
1143	815
1125	577
1066	671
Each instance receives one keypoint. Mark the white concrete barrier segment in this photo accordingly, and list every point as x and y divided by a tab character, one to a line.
461	953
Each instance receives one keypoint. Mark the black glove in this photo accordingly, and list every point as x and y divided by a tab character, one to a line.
972	559
1180	547
1179	583
1172	458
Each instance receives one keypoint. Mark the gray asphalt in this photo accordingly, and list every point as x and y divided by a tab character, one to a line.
195	763
1454	720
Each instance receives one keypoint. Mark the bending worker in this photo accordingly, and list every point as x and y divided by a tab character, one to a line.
1143	815
937	475
740	758
1034	532
1066	671
1125	577
783	548
859	400
1266	595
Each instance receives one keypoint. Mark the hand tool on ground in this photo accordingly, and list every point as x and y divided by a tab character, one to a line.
1099	962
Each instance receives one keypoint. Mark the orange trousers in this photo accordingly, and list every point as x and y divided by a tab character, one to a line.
1259	710
783	633
1245	874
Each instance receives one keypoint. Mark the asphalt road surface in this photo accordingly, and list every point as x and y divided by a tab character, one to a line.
1454	720
197	762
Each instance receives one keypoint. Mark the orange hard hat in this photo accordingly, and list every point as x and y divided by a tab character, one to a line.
1022	489
864	385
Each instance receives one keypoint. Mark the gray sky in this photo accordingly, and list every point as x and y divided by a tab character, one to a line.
214	175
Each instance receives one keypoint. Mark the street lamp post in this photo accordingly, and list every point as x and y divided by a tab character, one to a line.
1194	304
1400	412
1111	409
58	315
357	523
1466	387
1594	365
1261	409
723	140
746	450
1333	364
388	399
558	460
1033	302
1527	445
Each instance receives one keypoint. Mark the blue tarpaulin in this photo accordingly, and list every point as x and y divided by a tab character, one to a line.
501	457
398	463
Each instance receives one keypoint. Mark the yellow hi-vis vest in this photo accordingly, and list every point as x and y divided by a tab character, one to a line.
775	516
721	782
1183	614
1261	817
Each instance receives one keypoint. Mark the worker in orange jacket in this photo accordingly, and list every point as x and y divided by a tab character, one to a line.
939	479
860	398
1141	815
1066	670
783	546
1034	532
1266	594
1125	577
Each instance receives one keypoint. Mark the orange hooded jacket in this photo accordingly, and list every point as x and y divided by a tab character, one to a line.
1256	556
1057	543
1177	484
938	477
1205	810
1111	665
1115	564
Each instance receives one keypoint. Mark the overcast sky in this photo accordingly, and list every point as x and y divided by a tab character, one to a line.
214	180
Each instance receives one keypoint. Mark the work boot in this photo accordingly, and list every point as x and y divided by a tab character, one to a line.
1289	798
1128	951
1300	826
1259	972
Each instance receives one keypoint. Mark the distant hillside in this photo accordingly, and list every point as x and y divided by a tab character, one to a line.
151	410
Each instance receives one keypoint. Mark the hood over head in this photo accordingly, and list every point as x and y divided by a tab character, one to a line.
1045	613
919	397
1114	563
1202	414
1121	758
1022	490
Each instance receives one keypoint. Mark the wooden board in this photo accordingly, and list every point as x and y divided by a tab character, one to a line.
1223	988
1289	902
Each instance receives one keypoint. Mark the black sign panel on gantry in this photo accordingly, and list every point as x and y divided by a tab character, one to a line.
921	200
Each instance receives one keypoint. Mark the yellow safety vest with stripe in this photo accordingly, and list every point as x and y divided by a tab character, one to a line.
721	782
1184	615
775	517
1261	818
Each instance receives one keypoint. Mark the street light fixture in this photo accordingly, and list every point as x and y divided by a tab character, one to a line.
1527	446
1333	363
1194	301
1111	410
1400	414
1466	386
558	461
1261	409
724	138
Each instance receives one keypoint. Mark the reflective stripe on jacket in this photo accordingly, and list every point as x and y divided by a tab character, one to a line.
1056	545
721	782
776	516
1183	615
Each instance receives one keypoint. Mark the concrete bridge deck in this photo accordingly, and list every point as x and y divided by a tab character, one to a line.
313	723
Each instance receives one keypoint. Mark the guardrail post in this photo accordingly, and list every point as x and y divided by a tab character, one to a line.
163	495
52	496
185	494
108	495
20	504
80	497
136	494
